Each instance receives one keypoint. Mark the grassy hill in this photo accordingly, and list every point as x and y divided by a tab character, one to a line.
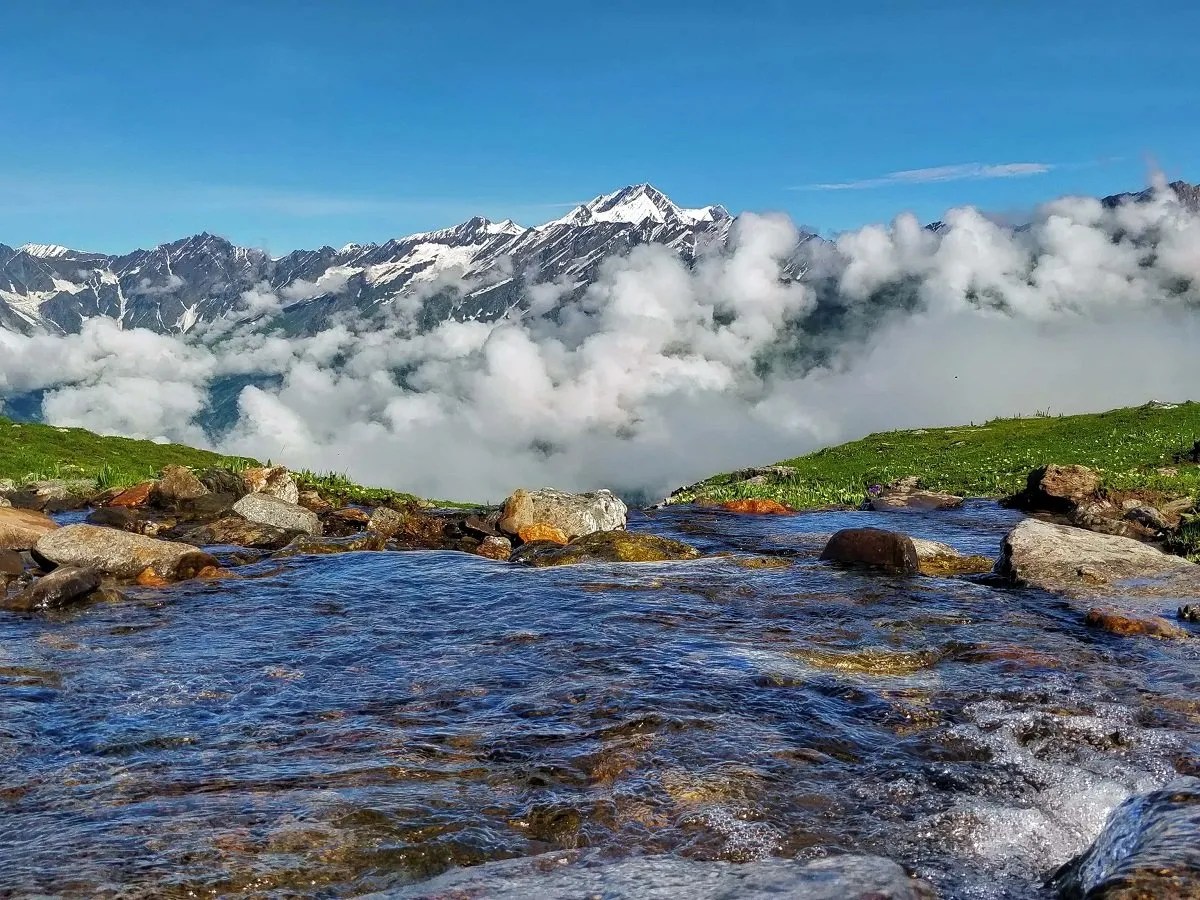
1131	448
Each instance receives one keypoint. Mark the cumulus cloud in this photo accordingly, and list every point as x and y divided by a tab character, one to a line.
933	174
663	372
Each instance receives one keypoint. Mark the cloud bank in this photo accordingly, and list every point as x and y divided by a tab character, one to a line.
663	373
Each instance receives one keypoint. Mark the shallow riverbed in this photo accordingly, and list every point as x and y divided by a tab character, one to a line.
355	723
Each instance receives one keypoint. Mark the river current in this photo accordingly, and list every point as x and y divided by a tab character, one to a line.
338	725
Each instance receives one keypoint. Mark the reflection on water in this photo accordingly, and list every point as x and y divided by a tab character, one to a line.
356	723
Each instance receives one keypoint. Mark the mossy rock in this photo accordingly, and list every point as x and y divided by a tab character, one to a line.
606	546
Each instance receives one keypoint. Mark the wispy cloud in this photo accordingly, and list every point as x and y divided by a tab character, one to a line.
961	172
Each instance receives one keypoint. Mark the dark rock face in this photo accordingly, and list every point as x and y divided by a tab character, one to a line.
1149	850
873	548
1057	489
60	588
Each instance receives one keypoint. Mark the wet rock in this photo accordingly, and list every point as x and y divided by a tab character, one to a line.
237	531
21	528
134	497
1190	612
1104	517
273	481
873	548
757	506
351	516
1148	517
267	509
1072	560
120	553
1149	850
60	588
574	874
220	480
606	546
177	485
572	514
412	524
484	525
906	493
540	531
938	559
1056	488
12	566
308	545
1126	624
494	547
54	495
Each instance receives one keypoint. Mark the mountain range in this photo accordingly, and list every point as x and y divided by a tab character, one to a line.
478	270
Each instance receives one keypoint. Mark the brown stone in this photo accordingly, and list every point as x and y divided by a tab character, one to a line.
149	578
21	528
351	516
495	547
1128	625
240	532
941	560
134	497
314	501
540	531
873	548
572	514
905	494
178	484
758	507
120	553
1058	488
606	546
274	481
60	588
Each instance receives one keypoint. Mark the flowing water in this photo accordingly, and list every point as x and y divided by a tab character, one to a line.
346	724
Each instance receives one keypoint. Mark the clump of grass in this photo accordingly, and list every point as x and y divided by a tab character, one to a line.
1131	448
1186	541
337	487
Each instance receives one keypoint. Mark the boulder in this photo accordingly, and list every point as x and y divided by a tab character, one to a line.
1128	625
314	501
274	481
1055	488
267	509
134	497
606	546
411	525
1147	516
60	588
120	553
494	547
757	506
220	480
54	495
572	514
1149	850
12	567
906	493
1189	612
21	528
178	484
237	531
1072	560
308	545
938	559
873	548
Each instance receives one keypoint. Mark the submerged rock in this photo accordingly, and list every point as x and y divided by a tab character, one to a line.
308	545
906	493
938	559
1148	850
1126	624
21	528
1062	558
571	874
237	531
757	506
572	514
60	588
606	546
266	509
873	548
120	553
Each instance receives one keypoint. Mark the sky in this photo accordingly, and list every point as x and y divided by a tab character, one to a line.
286	125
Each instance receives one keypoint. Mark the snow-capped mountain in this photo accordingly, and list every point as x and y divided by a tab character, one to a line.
478	269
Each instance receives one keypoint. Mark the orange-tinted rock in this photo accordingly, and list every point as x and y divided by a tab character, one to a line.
540	531
758	506
134	497
1127	625
214	573
149	578
494	547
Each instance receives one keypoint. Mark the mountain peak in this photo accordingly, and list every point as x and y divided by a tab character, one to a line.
638	204
44	251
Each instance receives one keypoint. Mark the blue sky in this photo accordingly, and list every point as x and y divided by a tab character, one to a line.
297	124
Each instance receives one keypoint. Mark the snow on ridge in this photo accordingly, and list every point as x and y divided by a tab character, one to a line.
44	251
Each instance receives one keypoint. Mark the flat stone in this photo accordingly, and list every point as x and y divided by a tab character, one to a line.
60	588
21	528
120	553
1128	625
937	559
237	531
606	546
